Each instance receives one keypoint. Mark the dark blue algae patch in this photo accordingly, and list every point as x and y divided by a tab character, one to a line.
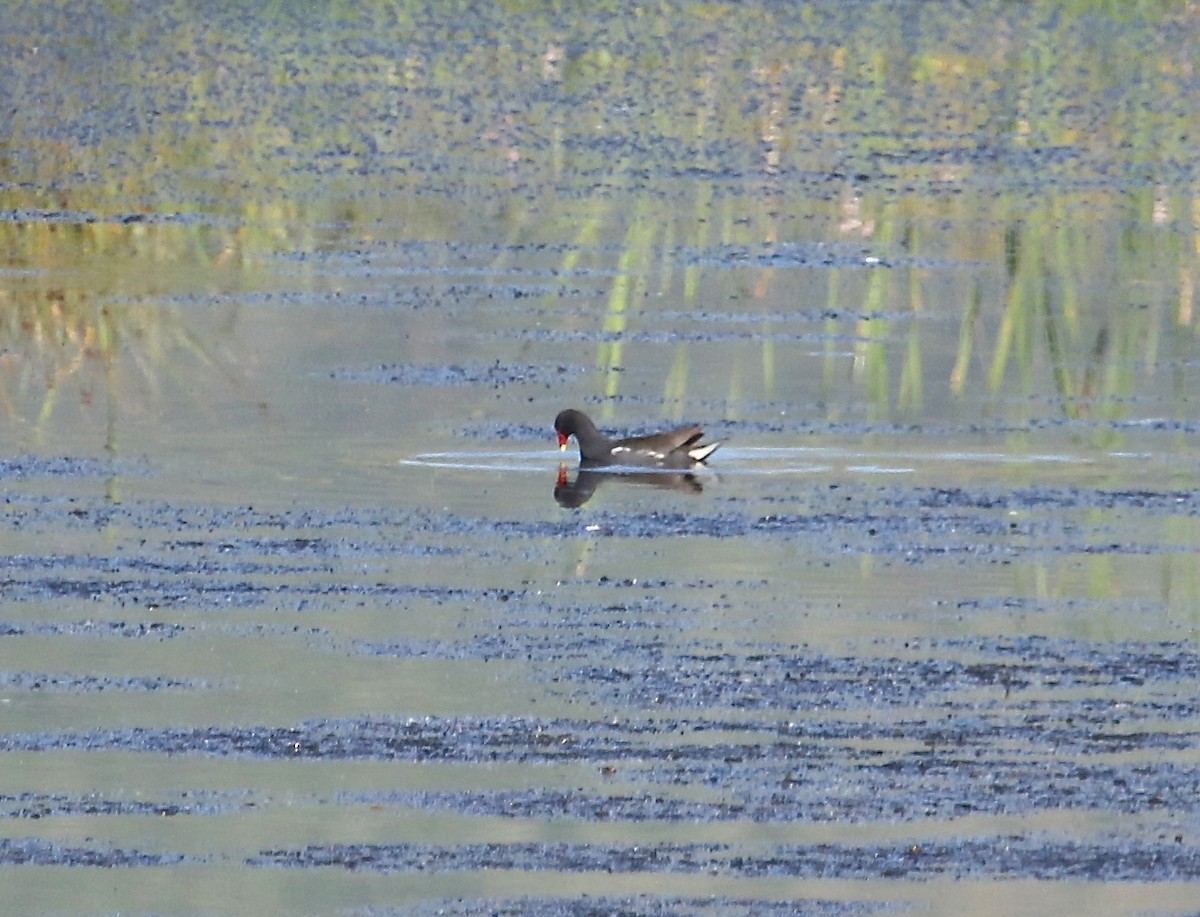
646	674
575	805
555	649
424	739
87	217
130	630
816	254
30	466
641	906
217	528
885	520
508	432
37	852
676	336
784	784
1156	502
224	595
948	762
87	684
409	296
493	375
131	563
304	546
651	672
1033	855
42	805
815	782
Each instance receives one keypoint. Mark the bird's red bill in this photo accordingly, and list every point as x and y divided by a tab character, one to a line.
562	441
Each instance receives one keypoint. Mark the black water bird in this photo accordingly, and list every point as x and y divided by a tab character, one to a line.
679	448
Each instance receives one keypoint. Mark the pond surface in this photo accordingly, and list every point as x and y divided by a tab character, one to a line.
302	610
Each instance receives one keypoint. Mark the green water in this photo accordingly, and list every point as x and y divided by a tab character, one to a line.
931	269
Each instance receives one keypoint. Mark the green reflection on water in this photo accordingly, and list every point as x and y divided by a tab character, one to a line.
1060	133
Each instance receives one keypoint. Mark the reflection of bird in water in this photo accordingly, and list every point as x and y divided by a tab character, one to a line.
679	448
572	494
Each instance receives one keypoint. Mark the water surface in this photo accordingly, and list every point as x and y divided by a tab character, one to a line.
293	617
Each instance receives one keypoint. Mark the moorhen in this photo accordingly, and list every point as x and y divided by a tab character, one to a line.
678	448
